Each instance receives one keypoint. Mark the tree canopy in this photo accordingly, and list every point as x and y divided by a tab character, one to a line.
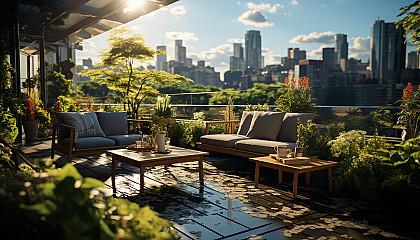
133	84
410	22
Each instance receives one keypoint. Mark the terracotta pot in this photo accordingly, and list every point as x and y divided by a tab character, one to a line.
31	129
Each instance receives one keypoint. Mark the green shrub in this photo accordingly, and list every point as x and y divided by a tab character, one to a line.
67	104
348	144
8	129
61	204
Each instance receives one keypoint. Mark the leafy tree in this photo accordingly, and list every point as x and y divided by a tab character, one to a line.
410	22
134	86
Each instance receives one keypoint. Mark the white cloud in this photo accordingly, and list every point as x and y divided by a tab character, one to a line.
287	14
254	18
224	64
272	59
360	48
294	2
325	37
236	40
178	10
265	6
317	52
324	5
238	2
187	36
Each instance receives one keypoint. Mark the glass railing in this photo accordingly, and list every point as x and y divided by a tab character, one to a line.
382	119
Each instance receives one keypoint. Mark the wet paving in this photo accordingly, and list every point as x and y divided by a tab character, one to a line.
228	206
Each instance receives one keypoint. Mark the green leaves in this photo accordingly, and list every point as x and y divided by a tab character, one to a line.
411	22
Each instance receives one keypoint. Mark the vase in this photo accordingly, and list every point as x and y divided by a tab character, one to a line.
160	143
301	152
31	129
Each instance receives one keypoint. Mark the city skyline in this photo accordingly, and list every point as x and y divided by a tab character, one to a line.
283	24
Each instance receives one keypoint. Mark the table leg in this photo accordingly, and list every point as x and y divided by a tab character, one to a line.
308	178
114	163
257	174
295	184
141	179
280	176
330	188
201	170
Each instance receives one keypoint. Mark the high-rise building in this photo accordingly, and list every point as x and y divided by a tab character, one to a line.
328	57
182	54
387	52
253	49
201	63
87	63
237	61
341	49
161	64
413	60
296	53
178	44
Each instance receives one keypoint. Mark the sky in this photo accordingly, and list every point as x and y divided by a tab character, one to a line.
209	28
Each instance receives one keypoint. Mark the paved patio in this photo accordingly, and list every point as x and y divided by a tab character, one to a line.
229	207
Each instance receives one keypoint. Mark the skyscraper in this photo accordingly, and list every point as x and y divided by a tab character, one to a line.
341	48
237	61
253	49
161	64
387	51
413	60
180	51
328	57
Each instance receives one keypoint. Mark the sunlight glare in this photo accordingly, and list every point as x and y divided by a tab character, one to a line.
133	5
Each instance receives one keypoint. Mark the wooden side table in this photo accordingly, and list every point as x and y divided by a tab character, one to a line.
306	168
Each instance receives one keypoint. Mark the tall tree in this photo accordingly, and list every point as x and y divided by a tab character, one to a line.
410	22
134	85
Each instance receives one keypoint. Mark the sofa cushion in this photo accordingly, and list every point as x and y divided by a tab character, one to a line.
261	146
223	140
121	140
265	125
288	130
86	124
113	123
245	123
89	142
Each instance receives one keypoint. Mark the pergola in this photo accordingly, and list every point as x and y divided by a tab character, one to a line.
61	26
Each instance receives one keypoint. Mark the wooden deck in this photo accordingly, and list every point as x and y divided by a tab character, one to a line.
230	207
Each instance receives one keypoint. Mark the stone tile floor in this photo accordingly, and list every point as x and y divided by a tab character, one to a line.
229	207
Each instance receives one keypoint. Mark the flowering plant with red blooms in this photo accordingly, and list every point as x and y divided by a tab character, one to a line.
410	114
297	97
30	110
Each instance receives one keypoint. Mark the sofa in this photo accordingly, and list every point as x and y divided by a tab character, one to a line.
258	133
76	134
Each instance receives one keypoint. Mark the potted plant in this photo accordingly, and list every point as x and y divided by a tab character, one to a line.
297	98
30	123
162	120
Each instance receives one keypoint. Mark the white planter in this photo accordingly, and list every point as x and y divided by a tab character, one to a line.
160	143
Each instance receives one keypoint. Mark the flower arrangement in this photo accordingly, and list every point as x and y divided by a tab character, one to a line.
410	114
163	106
30	110
162	120
297	97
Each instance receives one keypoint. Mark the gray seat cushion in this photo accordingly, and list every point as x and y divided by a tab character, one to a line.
245	123
89	142
261	146
265	125
223	140
121	140
113	123
288	130
86	123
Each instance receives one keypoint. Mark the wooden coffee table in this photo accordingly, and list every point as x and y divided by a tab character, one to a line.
149	159
307	168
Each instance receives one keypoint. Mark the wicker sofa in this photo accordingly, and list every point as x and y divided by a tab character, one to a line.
76	134
258	133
